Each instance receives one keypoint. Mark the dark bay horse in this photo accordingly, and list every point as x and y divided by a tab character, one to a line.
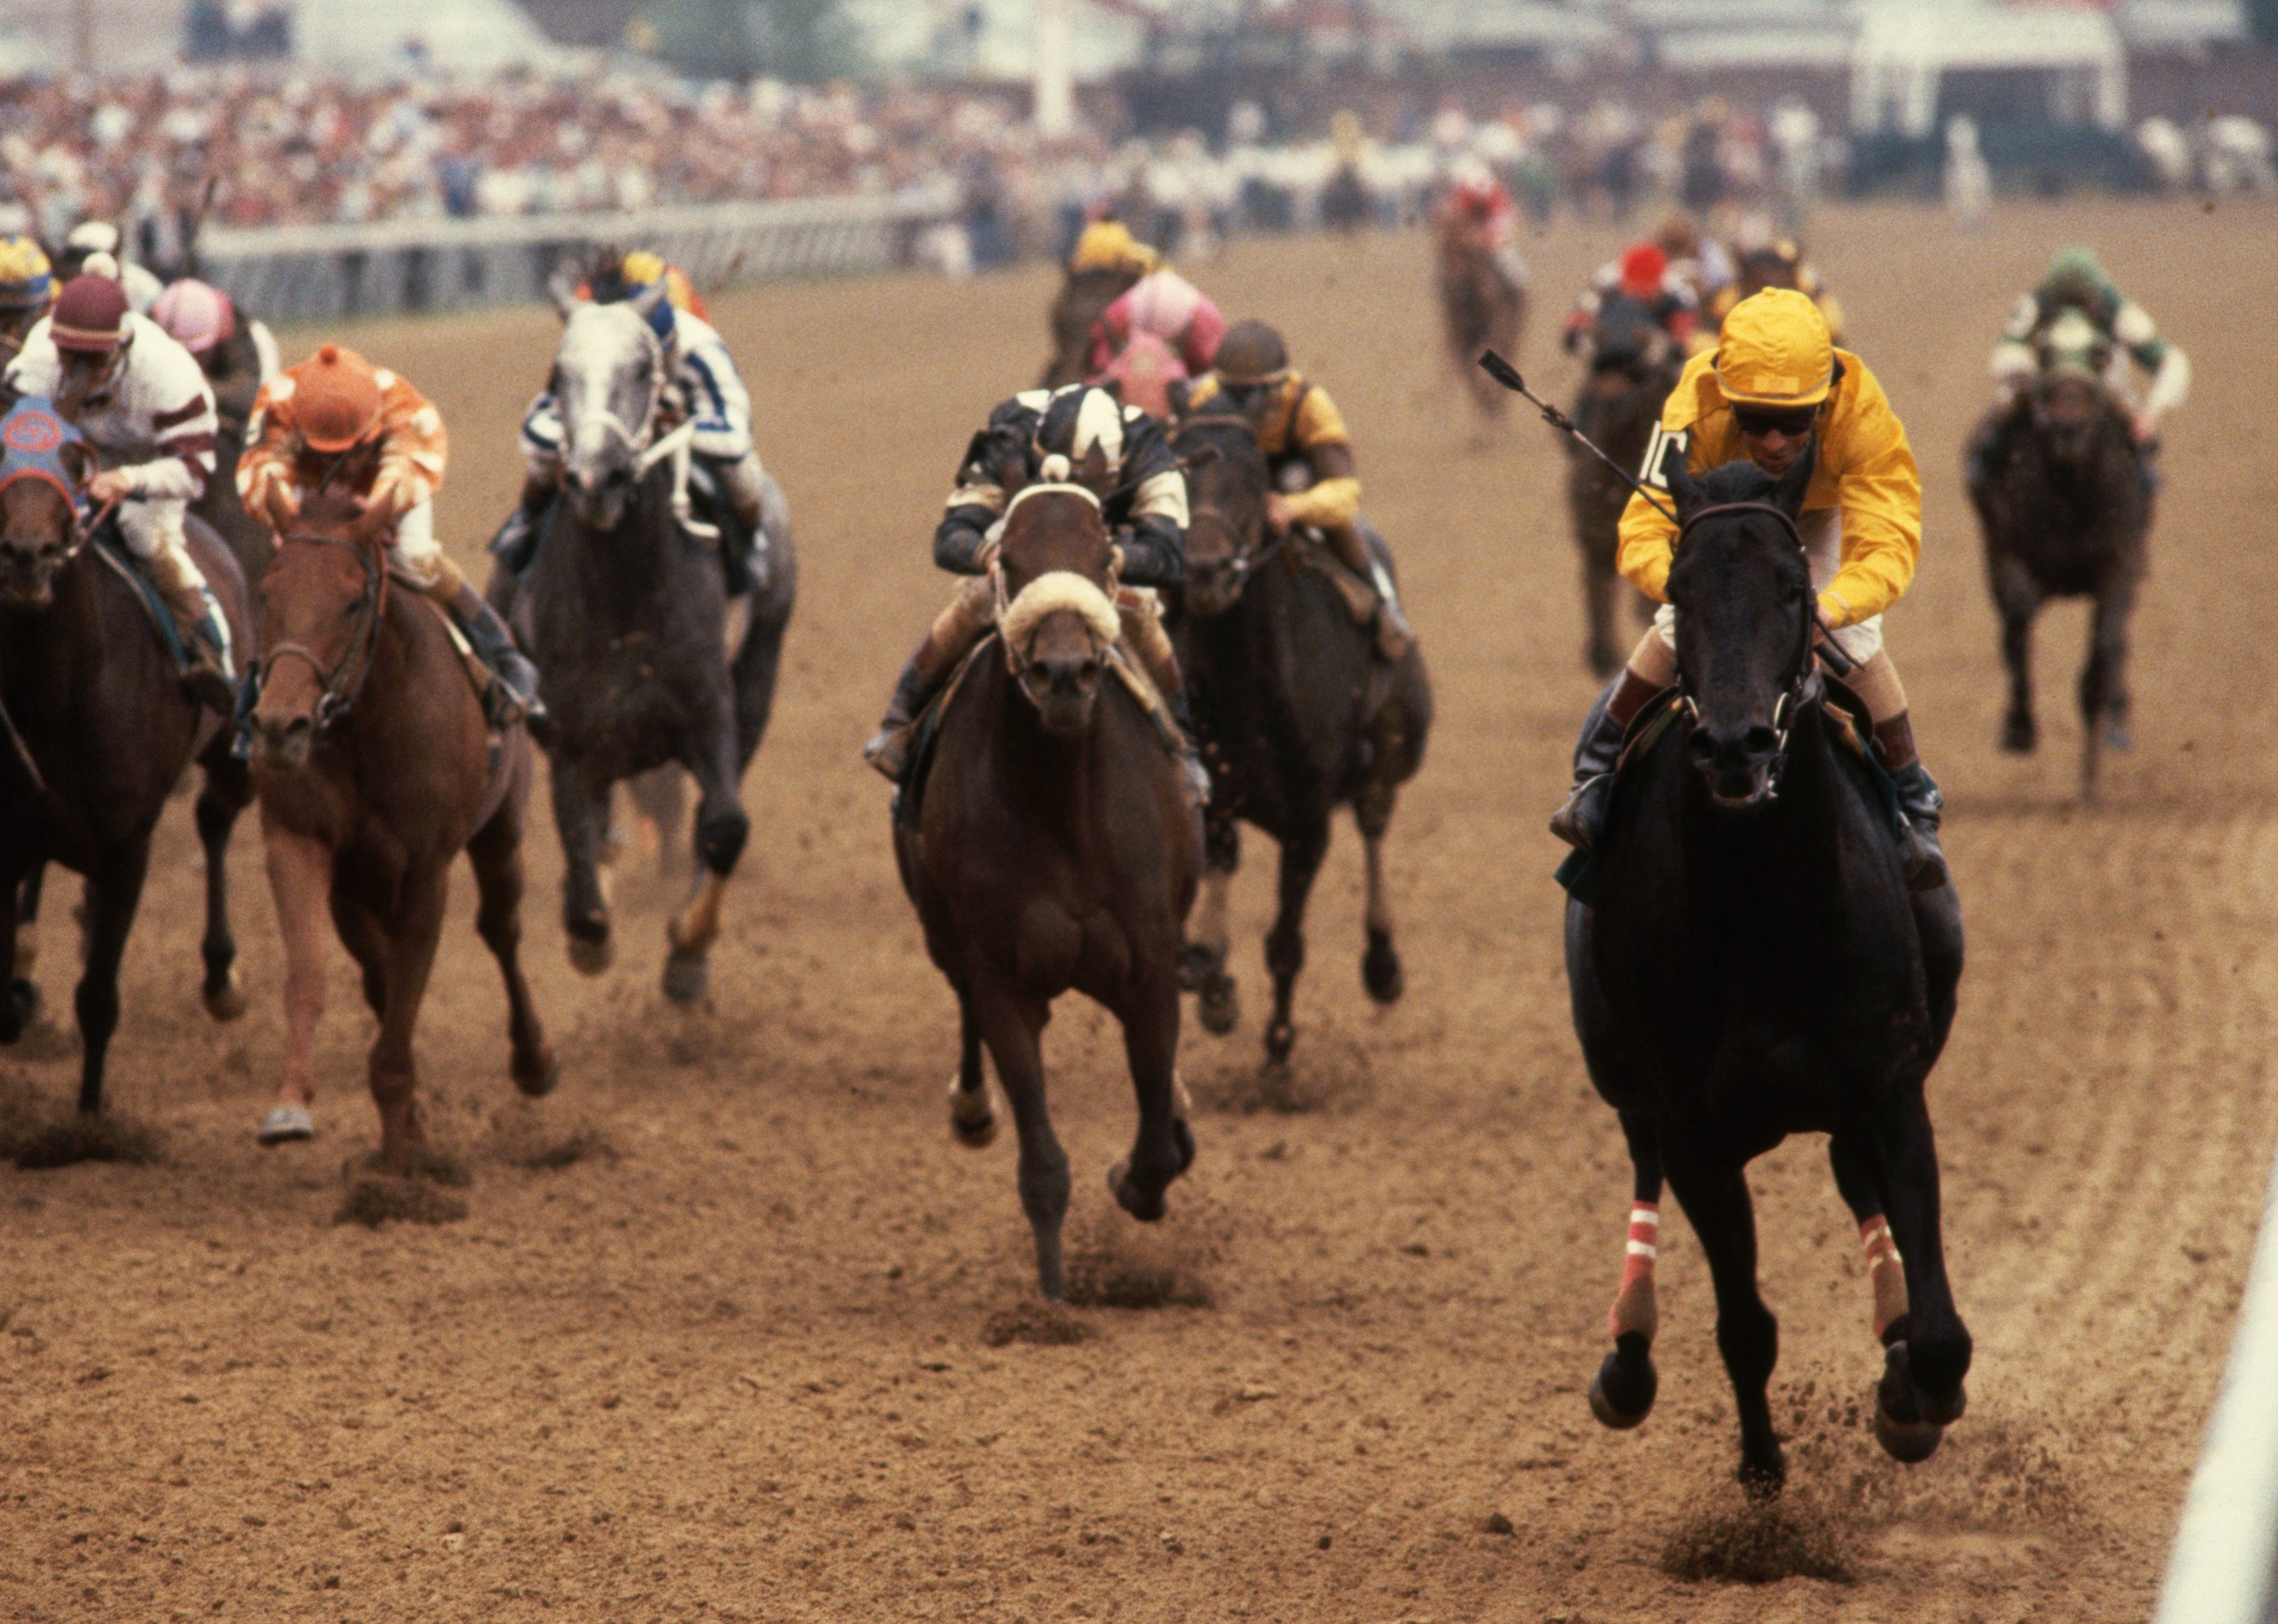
1054	850
1480	308
1082	300
375	770
1629	376
96	732
1296	717
1753	965
248	539
2066	512
623	611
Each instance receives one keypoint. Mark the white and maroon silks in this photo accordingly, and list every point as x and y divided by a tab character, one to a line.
1633	1307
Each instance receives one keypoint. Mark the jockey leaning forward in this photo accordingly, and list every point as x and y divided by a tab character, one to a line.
335	413
1158	333
1478	217
237	354
1639	284
1307	450
1041	434
142	403
27	287
1775	389
705	389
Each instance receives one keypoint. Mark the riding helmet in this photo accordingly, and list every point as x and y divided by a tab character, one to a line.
90	315
27	280
336	398
1775	352
1251	352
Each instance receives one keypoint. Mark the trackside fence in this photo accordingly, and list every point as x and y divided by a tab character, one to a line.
2225	1566
304	273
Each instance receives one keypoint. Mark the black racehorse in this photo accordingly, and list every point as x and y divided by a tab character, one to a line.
2066	513
1631	373
1752	965
1296	717
249	541
622	609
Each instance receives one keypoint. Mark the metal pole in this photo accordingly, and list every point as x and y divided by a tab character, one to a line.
2227	1550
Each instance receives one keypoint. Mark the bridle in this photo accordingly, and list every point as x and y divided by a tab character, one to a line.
341	684
1242	562
1801	670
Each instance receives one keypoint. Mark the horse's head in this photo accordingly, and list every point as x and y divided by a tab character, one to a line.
609	376
1744	605
1058	621
1227	485
320	609
40	523
2068	404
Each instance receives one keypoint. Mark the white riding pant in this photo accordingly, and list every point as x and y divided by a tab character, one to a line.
1822	547
413	548
151	528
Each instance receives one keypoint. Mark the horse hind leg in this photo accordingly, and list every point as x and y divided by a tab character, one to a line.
721	829
1623	1391
1920	1393
412	937
2104	680
1715	1197
1164	1145
19	1004
226	792
1201	967
1852	1160
113	893
972	1117
1010	1026
1381	969
581	816
1285	943
496	854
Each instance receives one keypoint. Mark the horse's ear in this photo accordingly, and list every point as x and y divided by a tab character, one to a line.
1671	474
644	304
1788	495
562	287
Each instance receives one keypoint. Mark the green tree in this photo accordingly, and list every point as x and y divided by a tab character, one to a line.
803	40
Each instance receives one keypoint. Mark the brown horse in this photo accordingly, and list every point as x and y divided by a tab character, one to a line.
375	770
1481	309
1082	300
96	734
1054	849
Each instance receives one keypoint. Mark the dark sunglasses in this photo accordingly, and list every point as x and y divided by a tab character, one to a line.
1794	422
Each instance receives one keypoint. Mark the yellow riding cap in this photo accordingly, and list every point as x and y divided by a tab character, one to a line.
1775	352
1108	245
27	280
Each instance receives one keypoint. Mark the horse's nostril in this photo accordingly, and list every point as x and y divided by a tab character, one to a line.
1702	748
1087	672
1759	740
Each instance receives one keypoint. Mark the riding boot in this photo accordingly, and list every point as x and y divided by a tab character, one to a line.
249	695
1150	645
1920	805
1394	635
512	696
517	541
742	540
206	675
947	641
1581	818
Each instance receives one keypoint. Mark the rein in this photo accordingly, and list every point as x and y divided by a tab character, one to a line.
338	689
1793	697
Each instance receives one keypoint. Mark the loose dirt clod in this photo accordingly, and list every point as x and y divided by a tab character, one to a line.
522	1139
1038	1324
34	1138
374	1201
1761	1542
1114	1263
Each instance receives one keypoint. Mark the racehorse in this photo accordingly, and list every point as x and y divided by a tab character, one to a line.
2066	512
1620	401
1296	717
1082	300
1480	308
1752	965
94	733
375	769
1053	849
248	540
623	609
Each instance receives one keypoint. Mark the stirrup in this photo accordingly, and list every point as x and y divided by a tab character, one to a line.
889	751
1581	817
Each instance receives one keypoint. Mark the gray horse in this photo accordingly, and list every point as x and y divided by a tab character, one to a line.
624	609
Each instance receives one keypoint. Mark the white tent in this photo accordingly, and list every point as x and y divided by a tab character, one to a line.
474	36
1904	48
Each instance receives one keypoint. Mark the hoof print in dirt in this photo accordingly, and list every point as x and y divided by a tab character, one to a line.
1761	1542
374	1201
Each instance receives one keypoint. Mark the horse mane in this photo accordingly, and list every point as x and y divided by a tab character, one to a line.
1738	481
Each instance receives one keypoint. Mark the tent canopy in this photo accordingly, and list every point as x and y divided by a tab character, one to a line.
1903	49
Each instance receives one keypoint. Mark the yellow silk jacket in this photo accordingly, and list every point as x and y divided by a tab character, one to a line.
1301	421
1865	468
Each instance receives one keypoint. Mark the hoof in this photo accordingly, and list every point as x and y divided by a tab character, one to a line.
1912	1442
972	1116
1220	1009
226	1002
1280	1038
1623	1391
2019	735
287	1124
536	1075
1380	972
686	976
2116	736
1907	1424
1199	967
1183	1137
590	956
1146	1208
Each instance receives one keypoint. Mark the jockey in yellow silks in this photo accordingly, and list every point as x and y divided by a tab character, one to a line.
1773	389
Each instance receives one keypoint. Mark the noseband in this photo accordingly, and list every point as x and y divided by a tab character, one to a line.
1800	672
340	687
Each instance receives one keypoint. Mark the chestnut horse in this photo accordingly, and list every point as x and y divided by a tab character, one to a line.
1480	308
96	732
375	769
1054	849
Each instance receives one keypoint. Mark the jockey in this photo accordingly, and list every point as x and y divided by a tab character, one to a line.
27	287
1307	447
1773	386
705	386
237	356
144	405
1108	245
1478	214
1641	277
1777	264
89	238
1160	331
1043	434
2077	282
307	423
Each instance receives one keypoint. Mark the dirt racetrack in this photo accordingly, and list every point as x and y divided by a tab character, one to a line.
725	1332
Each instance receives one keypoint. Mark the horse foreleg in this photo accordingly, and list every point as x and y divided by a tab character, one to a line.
971	1118
1164	1145
1203	966
1380	970
113	893
2103	681
722	828
20	1001
1716	1197
1858	1180
1921	1390
581	815
1623	1391
227	791
1010	1025
2019	600
416	927
1285	943
299	883
496	853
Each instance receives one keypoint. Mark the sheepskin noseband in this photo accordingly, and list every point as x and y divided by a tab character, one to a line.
1049	593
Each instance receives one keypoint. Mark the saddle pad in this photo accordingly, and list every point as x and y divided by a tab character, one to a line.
111	551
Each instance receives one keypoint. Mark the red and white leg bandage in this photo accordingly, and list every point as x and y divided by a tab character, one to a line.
1634	1307
1885	1272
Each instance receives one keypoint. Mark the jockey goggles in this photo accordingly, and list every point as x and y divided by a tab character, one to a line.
1794	422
